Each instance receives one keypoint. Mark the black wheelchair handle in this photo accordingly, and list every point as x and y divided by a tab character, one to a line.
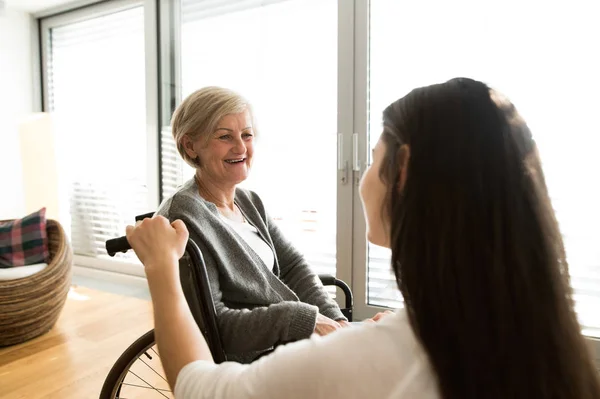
144	216
121	244
117	245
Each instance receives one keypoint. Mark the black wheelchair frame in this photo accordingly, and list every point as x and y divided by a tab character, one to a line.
207	320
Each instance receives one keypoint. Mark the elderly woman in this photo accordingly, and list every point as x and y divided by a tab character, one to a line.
263	289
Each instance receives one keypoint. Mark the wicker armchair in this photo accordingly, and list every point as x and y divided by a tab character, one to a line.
30	306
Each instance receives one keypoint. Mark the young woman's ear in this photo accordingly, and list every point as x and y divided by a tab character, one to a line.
403	158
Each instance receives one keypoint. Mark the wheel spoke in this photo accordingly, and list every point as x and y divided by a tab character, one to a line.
146	382
155	372
143	387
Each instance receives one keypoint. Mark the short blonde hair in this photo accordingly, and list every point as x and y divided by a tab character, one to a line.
199	114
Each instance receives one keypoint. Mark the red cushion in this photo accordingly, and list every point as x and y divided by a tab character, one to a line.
24	241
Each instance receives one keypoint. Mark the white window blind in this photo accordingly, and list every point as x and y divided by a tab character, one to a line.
96	91
542	58
263	50
195	10
174	171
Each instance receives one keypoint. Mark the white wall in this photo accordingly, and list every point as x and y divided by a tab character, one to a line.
16	101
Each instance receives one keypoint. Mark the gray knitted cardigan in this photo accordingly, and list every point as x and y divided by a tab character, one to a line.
258	306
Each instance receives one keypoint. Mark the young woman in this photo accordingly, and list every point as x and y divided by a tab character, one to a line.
457	192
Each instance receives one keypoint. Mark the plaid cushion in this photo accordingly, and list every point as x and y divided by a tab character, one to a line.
24	241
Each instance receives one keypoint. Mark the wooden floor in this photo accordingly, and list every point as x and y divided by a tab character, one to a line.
72	360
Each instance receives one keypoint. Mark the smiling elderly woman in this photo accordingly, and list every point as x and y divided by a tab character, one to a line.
263	289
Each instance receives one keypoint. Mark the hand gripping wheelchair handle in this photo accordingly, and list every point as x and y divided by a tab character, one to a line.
121	244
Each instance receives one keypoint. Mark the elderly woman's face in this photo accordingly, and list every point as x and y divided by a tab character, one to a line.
227	158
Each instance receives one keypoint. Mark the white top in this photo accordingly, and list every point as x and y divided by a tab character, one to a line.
253	239
379	360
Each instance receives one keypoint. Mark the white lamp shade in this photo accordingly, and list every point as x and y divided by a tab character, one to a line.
39	163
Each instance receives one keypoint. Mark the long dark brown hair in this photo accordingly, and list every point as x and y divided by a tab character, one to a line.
476	248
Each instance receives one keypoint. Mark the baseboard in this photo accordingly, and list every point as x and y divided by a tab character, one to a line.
117	283
110	265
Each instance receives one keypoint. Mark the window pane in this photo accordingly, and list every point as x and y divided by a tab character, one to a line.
541	57
96	91
266	53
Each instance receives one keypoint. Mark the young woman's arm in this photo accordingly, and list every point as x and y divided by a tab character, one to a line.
159	245
177	335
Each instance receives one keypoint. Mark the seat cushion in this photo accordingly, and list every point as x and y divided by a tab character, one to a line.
14	273
24	241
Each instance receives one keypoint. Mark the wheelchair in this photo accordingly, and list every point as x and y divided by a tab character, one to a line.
138	372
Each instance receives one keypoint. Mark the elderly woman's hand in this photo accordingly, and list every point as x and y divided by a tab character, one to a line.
159	245
325	325
378	316
343	323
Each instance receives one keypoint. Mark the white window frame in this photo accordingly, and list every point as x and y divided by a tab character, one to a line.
152	100
345	267
360	117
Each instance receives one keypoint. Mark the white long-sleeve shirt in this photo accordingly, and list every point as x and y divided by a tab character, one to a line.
380	360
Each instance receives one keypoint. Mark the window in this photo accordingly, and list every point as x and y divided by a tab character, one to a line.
289	74
319	74
540	58
95	89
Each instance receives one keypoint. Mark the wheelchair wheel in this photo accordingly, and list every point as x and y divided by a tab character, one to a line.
137	373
